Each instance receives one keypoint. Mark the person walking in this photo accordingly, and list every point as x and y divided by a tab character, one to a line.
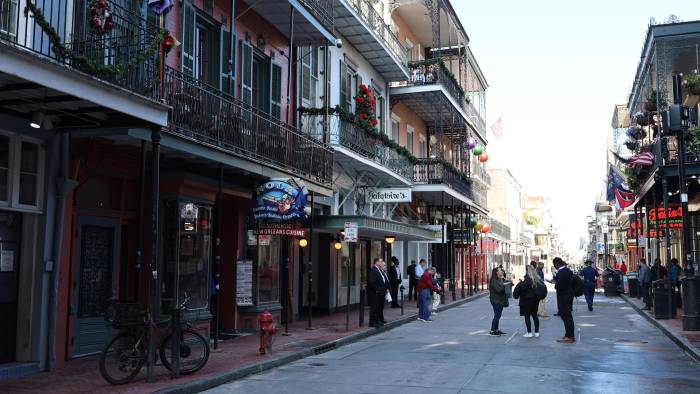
541	308
425	287
674	274
590	278
657	271
377	286
645	280
420	270
623	267
394	281
527	292
565	298
497	296
411	274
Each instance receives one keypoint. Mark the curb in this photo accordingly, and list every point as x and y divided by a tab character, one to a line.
227	377
679	340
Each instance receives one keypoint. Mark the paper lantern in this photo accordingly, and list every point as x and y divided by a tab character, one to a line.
478	150
478	227
486	229
483	157
471	143
472	221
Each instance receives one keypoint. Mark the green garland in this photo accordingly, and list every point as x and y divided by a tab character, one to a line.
81	61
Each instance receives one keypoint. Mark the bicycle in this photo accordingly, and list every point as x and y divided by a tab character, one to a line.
124	356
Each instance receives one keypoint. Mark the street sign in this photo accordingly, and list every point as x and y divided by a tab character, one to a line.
350	232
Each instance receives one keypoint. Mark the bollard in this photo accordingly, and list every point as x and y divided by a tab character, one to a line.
402	289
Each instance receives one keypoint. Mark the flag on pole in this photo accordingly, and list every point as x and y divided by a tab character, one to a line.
645	159
615	180
624	198
497	128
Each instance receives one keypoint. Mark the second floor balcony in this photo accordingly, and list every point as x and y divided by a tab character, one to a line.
432	172
357	148
206	115
313	22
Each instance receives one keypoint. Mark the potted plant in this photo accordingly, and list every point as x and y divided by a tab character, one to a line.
632	145
691	87
650	105
642	118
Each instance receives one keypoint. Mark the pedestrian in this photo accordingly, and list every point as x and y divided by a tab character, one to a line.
436	293
657	271
674	274
497	296
394	281
565	298
590	277
411	274
623	267
541	308
527	292
420	269
503	272
377	287
425	287
645	280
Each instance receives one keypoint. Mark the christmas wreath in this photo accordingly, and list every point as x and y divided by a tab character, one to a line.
101	14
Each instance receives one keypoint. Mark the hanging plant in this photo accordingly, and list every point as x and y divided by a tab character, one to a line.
642	118
650	105
632	145
691	83
365	105
101	14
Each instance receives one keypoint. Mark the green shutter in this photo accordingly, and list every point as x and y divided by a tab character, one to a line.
188	27
276	91
343	86
246	73
226	67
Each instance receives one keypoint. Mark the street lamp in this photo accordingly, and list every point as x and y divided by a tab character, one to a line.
337	245
390	239
303	242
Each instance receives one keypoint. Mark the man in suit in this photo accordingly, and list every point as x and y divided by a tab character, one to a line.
645	281
394	281
411	273
377	285
565	298
590	277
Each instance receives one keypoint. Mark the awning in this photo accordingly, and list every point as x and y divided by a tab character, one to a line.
375	228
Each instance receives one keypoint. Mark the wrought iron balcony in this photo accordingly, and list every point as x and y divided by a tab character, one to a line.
345	134
500	229
322	10
208	116
434	71
431	172
131	43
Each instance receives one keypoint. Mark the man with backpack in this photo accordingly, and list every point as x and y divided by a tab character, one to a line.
565	286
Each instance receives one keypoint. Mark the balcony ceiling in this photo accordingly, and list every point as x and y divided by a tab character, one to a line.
358	33
434	194
431	103
307	29
417	17
355	165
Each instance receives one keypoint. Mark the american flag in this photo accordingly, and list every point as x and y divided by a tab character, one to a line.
641	160
497	128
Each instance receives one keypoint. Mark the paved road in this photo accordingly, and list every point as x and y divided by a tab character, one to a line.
618	352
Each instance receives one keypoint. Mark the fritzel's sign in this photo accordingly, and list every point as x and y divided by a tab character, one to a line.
389	194
281	200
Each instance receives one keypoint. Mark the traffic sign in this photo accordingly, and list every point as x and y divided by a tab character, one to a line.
350	232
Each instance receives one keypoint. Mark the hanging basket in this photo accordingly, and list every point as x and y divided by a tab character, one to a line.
650	106
643	120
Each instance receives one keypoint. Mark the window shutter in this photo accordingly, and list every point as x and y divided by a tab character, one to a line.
343	86
226	68
276	91
188	27
246	73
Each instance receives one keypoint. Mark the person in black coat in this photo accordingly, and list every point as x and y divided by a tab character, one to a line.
377	286
411	273
565	298
394	281
529	302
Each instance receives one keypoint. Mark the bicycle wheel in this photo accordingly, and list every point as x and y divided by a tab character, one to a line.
122	359
194	351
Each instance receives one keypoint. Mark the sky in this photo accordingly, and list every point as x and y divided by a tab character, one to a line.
555	71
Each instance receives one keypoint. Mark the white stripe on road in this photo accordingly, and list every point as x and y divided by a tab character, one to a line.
511	337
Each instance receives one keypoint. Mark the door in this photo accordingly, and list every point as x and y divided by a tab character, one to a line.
343	260
94	283
9	277
261	82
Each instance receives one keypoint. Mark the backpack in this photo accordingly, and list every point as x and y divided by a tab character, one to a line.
541	292
577	285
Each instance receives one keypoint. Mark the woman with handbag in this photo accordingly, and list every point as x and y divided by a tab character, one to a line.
530	290
497	296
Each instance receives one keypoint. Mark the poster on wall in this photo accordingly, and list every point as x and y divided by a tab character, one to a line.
244	282
7	260
281	200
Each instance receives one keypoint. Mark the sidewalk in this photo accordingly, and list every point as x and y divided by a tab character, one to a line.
235	358
689	341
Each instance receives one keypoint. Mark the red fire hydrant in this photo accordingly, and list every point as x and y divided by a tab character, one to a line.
267	330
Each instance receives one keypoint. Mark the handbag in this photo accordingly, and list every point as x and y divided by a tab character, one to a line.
387	297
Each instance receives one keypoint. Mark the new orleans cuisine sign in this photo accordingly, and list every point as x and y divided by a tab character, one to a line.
281	200
392	194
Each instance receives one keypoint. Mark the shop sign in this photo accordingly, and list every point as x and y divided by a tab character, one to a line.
188	215
659	215
350	232
281	200
244	282
389	194
257	240
283	229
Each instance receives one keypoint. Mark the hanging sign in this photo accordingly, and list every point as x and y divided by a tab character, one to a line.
350	232
389	194
244	282
658	215
281	200
283	229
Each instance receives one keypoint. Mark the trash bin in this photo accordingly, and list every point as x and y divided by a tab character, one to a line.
633	286
663	297
611	282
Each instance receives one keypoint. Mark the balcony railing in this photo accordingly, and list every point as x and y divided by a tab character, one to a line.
434	71
92	52
367	13
343	133
322	10
432	172
500	229
206	115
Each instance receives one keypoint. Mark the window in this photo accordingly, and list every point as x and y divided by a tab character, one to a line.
268	271
4	168
379	110
348	82
29	174
395	121
409	138
309	75
276	92
228	61
8	18
21	172
422	151
246	73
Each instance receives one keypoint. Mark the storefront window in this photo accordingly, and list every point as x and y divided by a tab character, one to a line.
269	256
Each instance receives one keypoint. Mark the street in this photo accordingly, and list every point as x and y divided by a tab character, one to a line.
617	352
